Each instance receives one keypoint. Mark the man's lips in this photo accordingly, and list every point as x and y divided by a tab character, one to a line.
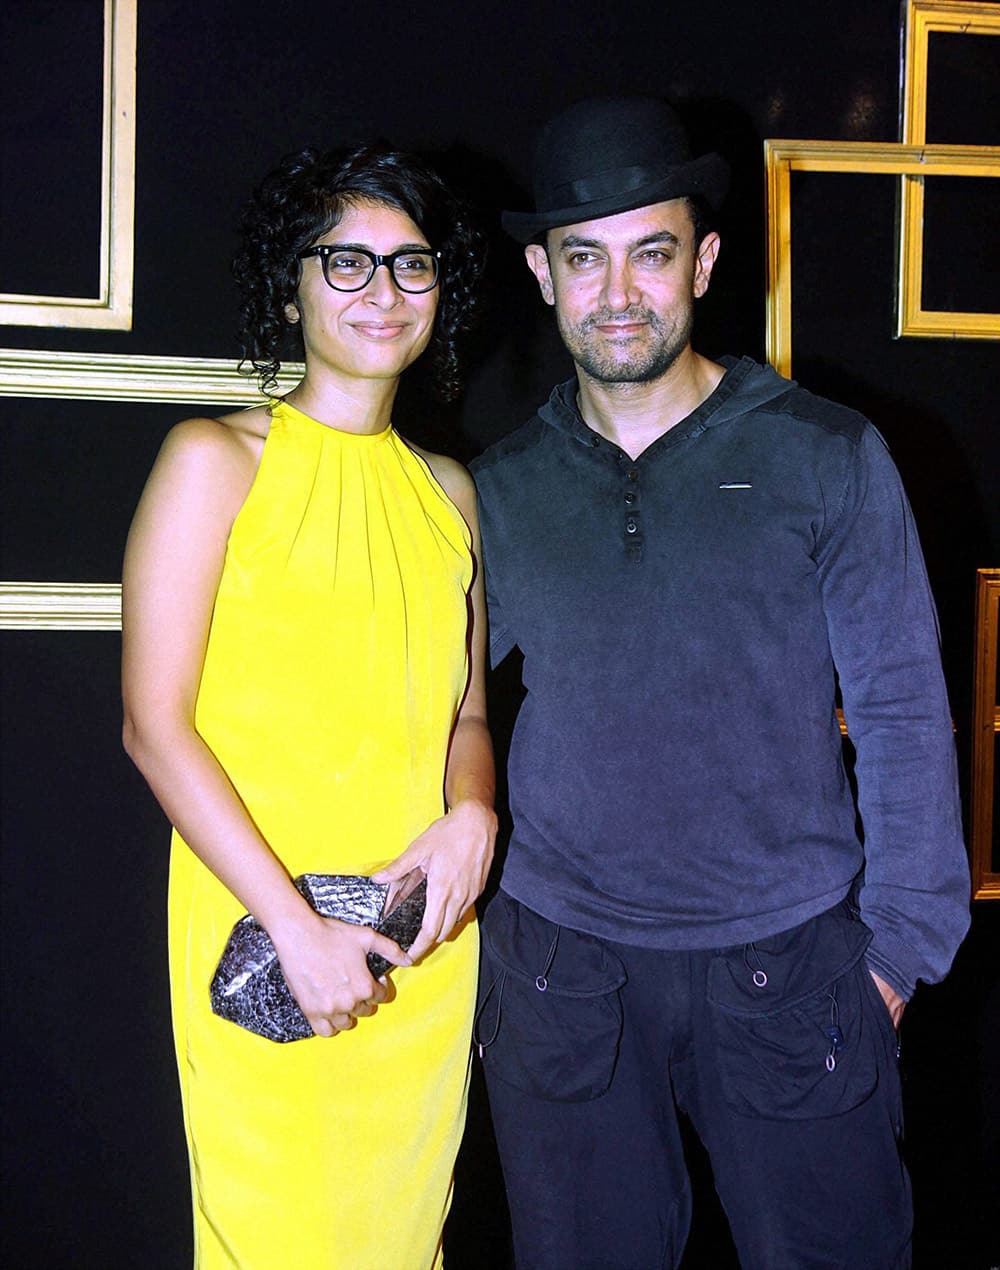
620	328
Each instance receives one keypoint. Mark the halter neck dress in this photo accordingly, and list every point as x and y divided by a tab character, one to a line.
335	666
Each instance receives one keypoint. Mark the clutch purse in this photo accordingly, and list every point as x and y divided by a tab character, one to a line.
248	987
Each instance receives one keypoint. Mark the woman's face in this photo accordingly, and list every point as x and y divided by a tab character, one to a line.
374	333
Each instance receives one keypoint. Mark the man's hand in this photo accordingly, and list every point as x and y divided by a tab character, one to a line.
894	1003
455	853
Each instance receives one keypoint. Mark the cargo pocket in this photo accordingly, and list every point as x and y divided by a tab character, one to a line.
793	1024
549	1015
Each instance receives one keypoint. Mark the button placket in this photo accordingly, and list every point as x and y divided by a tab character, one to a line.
633	524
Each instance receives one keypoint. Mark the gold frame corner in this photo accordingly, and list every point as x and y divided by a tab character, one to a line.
985	728
921	19
111	309
782	157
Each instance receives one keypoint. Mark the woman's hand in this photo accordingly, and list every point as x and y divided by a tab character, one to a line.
455	853
323	961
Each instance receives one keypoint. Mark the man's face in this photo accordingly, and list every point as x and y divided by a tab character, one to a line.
623	288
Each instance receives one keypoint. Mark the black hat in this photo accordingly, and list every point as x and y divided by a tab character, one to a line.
613	154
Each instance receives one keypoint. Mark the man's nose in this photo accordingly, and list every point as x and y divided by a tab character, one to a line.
620	290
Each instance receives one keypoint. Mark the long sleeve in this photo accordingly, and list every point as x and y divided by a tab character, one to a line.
884	639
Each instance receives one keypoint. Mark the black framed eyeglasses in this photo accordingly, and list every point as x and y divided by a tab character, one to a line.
352	268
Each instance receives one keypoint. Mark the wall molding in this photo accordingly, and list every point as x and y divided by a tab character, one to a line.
60	606
118	377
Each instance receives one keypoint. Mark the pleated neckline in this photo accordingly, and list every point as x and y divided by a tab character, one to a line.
286	413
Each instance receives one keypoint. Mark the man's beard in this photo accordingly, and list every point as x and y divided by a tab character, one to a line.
648	362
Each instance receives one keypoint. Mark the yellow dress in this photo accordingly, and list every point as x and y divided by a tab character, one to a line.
334	670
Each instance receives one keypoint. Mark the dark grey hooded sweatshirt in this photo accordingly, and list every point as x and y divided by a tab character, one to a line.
676	773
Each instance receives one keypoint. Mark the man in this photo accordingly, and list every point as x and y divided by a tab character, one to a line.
695	917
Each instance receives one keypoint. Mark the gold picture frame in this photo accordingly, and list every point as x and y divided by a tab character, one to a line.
924	17
96	606
781	158
111	309
985	728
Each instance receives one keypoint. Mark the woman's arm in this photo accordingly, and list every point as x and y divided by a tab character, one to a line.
173	563
456	850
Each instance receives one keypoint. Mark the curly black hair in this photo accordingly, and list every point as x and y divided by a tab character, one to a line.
303	198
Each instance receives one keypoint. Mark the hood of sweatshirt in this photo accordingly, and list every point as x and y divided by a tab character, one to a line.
746	385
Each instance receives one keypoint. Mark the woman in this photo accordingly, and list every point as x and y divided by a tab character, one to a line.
304	635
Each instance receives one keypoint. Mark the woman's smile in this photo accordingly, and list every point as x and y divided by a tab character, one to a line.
379	329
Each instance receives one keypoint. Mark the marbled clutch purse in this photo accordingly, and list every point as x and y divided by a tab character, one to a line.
248	987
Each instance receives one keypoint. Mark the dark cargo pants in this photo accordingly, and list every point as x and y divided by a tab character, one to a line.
781	1052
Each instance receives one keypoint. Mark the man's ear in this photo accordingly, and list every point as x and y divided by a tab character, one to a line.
705	262
538	262
291	314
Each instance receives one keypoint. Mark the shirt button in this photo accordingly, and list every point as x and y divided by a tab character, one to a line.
630	497
630	526
632	474
595	442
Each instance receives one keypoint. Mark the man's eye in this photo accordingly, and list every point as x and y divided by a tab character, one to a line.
655	257
583	260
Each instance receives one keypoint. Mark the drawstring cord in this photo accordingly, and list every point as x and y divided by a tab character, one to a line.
542	982
500	978
759	975
833	1033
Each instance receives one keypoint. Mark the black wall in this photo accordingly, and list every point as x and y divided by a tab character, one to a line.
95	1170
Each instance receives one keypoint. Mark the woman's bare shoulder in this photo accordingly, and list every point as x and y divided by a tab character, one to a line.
208	464
229	445
253	423
243	430
452	476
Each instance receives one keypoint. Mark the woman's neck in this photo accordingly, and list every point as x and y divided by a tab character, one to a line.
350	405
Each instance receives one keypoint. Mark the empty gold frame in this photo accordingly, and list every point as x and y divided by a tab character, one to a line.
884	157
96	606
923	17
111	309
985	729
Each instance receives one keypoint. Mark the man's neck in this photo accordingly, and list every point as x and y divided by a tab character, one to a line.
633	415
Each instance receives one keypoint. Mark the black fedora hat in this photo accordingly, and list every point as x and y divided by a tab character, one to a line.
609	155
